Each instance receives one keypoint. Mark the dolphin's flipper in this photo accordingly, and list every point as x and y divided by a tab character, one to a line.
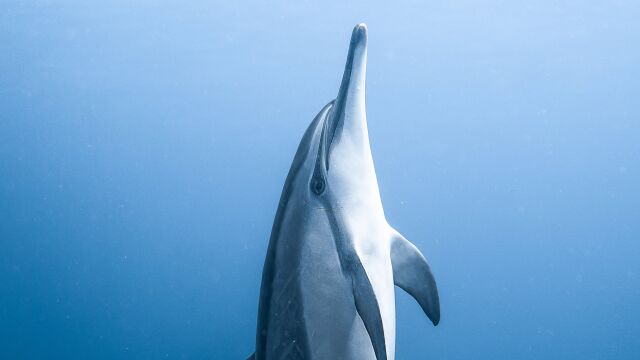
252	357
412	273
367	307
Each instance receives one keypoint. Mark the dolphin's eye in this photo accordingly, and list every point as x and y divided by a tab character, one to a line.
317	185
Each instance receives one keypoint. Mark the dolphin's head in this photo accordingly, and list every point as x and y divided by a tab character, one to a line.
341	167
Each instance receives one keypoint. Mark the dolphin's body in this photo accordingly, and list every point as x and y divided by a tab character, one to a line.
328	281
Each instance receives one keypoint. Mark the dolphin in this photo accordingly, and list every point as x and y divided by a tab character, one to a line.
332	262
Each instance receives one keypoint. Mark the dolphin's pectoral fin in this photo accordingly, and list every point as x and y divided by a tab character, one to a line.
412	273
252	357
368	309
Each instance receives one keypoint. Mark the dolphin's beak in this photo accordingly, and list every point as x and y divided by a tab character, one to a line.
355	69
348	115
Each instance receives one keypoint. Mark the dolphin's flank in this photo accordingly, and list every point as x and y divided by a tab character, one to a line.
333	260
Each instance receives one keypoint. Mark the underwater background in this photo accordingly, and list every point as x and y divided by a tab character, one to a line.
144	145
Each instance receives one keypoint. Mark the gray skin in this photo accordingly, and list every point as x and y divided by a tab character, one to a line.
333	260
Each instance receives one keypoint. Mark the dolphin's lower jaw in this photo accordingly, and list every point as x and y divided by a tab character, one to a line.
328	280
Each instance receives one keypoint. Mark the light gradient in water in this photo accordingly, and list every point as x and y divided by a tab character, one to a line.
143	148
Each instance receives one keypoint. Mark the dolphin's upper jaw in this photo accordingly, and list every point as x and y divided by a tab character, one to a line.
347	121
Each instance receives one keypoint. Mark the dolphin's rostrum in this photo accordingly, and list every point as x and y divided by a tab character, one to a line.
328	280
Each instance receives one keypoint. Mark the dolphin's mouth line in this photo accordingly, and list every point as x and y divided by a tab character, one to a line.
321	166
326	139
329	136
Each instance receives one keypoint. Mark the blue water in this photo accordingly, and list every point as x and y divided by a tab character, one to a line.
143	147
